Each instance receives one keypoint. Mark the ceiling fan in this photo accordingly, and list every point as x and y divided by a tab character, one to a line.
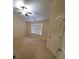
22	10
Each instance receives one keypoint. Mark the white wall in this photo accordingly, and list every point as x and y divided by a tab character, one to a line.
19	27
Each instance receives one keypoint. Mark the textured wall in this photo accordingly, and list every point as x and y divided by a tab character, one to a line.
57	8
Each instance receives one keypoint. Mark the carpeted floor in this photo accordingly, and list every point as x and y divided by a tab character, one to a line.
31	48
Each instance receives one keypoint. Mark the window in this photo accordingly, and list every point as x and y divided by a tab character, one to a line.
36	28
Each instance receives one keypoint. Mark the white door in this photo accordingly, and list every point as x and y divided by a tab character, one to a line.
56	33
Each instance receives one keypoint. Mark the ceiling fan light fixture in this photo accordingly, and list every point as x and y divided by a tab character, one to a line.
23	12
22	8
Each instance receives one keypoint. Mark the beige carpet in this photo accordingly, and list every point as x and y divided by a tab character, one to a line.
31	48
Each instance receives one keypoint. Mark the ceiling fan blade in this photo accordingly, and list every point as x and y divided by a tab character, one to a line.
23	7
17	8
29	12
19	12
26	15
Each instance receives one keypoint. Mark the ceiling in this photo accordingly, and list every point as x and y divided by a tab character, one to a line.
40	8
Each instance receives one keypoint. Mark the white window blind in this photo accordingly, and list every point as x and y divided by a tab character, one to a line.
36	28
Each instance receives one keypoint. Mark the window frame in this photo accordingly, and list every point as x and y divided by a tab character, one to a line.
37	33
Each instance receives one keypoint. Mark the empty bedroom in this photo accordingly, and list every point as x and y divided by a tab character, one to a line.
38	29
